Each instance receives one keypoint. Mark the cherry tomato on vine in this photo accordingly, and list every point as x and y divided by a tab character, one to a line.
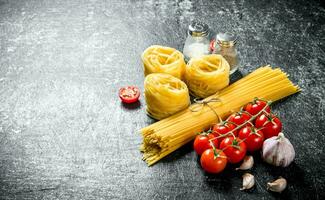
202	143
223	128
239	118
256	106
129	94
213	160
253	138
234	148
270	124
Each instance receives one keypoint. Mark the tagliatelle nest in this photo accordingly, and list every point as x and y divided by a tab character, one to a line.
165	95
207	75
161	59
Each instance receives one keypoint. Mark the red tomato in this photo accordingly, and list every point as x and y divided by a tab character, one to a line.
223	128
212	45
129	94
202	143
253	138
213	161
234	148
239	118
270	124
256	106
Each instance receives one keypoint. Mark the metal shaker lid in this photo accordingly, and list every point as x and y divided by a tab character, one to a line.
198	29
226	39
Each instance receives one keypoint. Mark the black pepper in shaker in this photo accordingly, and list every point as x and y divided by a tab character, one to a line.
225	44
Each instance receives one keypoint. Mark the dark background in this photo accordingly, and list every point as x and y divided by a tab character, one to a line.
65	134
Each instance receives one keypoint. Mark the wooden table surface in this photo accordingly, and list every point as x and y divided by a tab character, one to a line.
64	134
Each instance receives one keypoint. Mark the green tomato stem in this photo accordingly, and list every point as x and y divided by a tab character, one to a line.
245	123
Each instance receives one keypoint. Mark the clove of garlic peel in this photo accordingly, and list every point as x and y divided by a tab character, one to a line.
278	151
248	181
278	185
247	163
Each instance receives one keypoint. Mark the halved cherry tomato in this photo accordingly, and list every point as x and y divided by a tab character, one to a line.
253	138
256	106
223	128
234	148
213	160
239	118
270	124
129	94
202	143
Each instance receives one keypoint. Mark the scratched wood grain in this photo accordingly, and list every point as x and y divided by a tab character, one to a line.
65	135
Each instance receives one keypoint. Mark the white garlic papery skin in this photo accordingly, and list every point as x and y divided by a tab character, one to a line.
247	163
278	151
278	185
248	181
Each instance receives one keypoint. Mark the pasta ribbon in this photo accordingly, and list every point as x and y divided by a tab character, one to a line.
165	95
206	75
161	59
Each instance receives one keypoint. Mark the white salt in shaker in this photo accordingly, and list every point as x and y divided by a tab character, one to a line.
197	41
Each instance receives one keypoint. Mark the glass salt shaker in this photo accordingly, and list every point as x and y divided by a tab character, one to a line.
197	41
225	44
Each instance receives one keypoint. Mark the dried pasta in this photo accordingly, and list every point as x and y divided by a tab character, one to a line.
165	95
161	59
206	75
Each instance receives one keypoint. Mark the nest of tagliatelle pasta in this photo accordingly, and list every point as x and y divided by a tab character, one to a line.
207	75
165	95
161	59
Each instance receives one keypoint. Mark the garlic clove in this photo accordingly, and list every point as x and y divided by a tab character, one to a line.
248	181
247	163
278	185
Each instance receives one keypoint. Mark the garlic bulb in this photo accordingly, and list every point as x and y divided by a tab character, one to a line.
278	185
278	151
247	163
248	181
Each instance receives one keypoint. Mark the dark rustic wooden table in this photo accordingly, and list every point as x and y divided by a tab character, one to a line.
64	133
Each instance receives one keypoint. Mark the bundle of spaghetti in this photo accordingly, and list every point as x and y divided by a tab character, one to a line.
165	95
206	75
161	59
165	136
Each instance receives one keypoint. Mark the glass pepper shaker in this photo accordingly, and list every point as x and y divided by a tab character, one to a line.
225	44
197	41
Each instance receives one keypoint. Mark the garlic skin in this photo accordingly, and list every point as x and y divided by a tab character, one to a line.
248	181
278	185
247	163
278	151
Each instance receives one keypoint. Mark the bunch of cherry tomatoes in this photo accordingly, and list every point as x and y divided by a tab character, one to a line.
230	140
